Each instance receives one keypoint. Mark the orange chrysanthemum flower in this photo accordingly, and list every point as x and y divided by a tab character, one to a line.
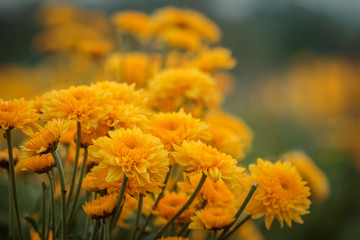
134	22
102	207
181	38
82	103
182	87
317	180
18	113
212	218
39	164
46	139
197	157
171	203
281	193
4	158
174	128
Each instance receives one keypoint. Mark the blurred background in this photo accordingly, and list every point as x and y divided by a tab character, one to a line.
297	86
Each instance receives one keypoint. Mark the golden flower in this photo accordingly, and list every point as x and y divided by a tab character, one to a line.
46	139
4	158
172	17
93	133
230	134
197	157
183	87
133	22
281	193
210	60
36	236
69	135
102	207
249	231
39	164
212	218
171	203
18	113
181	38
141	157
174	128
316	179
82	103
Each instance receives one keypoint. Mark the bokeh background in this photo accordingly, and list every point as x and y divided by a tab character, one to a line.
297	86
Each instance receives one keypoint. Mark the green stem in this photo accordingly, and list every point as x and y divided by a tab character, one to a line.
186	205
51	183
77	153
237	227
93	232
43	231
87	224
63	192
106	229
214	235
78	187
118	207
241	209
156	203
11	213
12	181
101	234
138	216
183	229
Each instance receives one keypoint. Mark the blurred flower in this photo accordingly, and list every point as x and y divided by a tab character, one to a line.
249	231
133	22
102	207
212	218
281	193
181	38
39	164
4	158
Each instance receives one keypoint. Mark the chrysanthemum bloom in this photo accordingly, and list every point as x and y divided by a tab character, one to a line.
317	180
281	193
69	135
181	38
39	164
214	194
46	139
102	207
18	113
210	60
249	231
230	134
4	158
197	157
171	203
173	128
183	87
83	104
141	157
93	133
171	17
212	218
134	22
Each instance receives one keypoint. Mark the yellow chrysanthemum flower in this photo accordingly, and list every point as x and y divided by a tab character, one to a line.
93	133
18	113
173	128
317	180
82	103
191	89
39	164
69	135
212	218
133	153
230	134
197	157
46	139
281	193
4	158
102	207
210	60
171	203
181	38
134	22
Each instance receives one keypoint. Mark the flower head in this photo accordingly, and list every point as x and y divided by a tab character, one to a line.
102	207
212	218
281	193
181	38
134	22
197	157
18	113
39	164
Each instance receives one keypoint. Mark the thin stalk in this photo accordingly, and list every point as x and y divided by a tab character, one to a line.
43	231
77	153
241	209
12	181
87	224
78	187
156	203
63	192
214	235
51	184
183	229
118	207
33	223
186	205
106	229
11	213
237	227
101	234
138	216
93	232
